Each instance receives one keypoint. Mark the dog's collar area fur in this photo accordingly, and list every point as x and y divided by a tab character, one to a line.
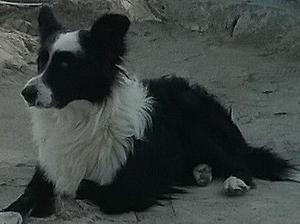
86	140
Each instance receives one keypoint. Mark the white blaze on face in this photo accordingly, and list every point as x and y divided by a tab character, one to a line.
67	42
64	42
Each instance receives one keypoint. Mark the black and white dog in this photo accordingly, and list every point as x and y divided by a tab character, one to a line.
123	144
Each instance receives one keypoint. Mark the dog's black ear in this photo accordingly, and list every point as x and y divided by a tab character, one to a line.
108	34
47	23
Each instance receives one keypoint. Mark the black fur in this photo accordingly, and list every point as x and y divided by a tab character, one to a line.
48	24
189	127
38	197
107	38
266	164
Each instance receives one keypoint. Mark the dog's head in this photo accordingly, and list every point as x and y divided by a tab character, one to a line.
76	65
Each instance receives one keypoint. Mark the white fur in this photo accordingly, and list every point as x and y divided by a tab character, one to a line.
67	42
84	140
234	185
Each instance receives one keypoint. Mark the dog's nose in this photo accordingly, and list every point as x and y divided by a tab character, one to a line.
30	94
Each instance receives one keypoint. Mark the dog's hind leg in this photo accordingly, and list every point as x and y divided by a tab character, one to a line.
233	168
223	163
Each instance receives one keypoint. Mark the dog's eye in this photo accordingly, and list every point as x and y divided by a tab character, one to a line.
42	59
64	64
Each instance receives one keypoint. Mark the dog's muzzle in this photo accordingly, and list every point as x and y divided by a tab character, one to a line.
37	94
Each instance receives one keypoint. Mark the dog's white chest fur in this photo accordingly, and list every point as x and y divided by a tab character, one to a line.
84	140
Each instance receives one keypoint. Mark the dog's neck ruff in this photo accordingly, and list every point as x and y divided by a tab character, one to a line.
88	141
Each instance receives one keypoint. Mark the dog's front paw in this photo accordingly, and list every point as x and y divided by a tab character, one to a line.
234	186
10	218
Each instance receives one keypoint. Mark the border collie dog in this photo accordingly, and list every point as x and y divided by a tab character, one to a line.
121	143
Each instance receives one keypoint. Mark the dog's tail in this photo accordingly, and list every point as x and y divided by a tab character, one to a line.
268	165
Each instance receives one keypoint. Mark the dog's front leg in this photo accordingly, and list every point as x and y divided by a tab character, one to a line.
38	199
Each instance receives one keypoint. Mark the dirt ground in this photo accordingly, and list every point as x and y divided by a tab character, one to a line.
259	80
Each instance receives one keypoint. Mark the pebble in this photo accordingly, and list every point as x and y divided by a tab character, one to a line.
10	218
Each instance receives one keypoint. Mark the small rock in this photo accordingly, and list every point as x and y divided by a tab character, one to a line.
147	33
267	91
195	28
280	113
10	218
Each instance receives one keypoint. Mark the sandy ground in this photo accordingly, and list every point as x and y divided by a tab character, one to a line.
262	88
